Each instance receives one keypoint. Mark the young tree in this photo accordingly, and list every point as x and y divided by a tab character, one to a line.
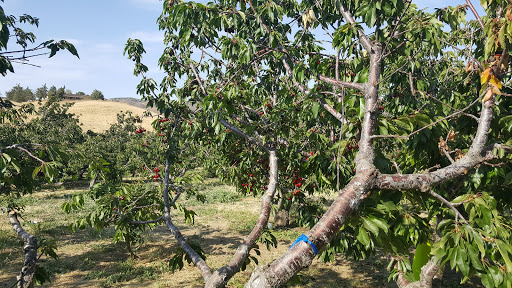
20	94
41	92
418	130
97	95
52	93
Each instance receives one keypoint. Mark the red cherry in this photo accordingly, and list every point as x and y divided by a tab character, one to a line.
250	175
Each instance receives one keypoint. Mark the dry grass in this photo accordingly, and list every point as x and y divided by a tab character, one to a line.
90	259
98	115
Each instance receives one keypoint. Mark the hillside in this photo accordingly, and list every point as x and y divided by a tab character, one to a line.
134	102
98	115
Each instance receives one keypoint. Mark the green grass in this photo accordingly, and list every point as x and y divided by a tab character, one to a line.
124	271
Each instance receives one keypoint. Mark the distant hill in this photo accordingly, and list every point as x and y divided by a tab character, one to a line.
134	102
98	115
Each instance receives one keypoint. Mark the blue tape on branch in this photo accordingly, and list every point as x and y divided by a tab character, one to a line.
305	239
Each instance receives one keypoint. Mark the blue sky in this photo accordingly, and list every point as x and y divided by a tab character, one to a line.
99	30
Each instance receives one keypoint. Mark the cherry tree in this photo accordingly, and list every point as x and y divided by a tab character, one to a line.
403	112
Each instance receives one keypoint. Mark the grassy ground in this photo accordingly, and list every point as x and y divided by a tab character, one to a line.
89	258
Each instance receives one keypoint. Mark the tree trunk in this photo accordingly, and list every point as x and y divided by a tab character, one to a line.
282	216
28	270
301	255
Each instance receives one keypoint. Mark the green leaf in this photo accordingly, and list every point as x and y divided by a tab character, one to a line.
501	36
487	280
242	14
363	237
380	223
489	45
506	122
462	263
421	257
315	108
473	256
502	247
372	227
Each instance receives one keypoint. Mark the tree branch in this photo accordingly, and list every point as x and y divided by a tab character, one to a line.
472	8
477	153
431	124
20	147
251	139
351	85
306	91
198	261
26	276
300	255
223	274
365	41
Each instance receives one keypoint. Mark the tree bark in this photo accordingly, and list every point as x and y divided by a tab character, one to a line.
300	255
28	270
427	275
281	218
223	274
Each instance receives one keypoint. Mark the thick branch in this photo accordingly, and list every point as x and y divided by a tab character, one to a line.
198	261
478	153
222	276
29	265
427	275
337	83
241	133
366	154
365	41
300	255
476	14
